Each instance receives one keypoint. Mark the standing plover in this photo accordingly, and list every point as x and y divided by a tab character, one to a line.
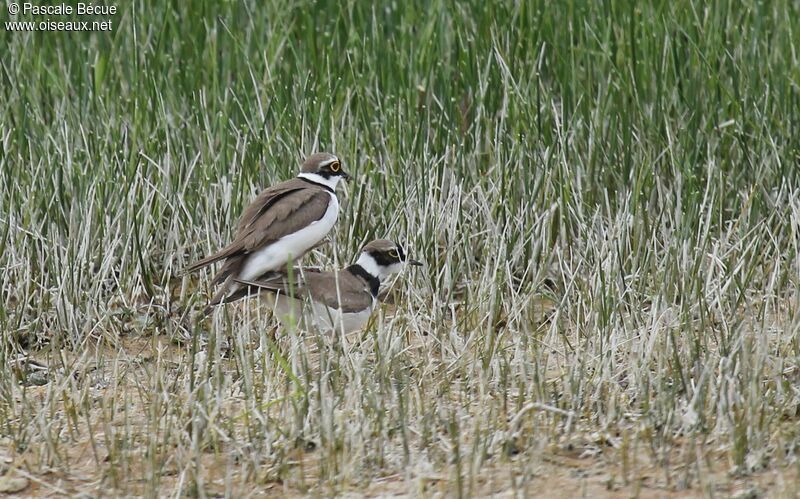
280	225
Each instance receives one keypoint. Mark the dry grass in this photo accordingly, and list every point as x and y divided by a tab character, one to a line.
605	196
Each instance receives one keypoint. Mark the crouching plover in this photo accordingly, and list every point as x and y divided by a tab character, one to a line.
341	300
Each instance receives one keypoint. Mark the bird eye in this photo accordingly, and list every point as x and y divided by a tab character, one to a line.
335	166
393	254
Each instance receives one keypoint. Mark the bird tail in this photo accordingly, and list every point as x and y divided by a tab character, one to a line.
235	289
222	254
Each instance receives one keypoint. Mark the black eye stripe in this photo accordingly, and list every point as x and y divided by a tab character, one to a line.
383	258
330	169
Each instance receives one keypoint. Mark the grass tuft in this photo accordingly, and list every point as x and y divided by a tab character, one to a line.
605	195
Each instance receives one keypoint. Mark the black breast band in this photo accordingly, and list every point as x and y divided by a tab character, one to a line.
317	184
374	282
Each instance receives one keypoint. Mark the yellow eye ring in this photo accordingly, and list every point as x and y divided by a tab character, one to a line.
335	166
394	254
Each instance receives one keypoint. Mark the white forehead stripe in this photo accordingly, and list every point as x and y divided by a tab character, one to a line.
329	161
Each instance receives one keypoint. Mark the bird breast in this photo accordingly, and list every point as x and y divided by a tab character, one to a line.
291	246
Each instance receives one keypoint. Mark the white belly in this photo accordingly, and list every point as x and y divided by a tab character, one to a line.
329	319
291	311
291	246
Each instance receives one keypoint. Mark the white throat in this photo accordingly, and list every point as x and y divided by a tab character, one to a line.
371	266
319	179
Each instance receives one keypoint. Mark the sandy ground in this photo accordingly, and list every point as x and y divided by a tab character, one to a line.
583	465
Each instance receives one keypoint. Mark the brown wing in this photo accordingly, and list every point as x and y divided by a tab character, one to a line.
297	209
223	295
264	222
266	199
322	286
352	294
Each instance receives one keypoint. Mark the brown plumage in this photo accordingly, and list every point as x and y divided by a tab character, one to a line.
260	226
338	300
277	212
341	289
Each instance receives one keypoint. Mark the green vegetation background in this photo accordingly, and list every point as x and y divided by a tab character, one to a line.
641	157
